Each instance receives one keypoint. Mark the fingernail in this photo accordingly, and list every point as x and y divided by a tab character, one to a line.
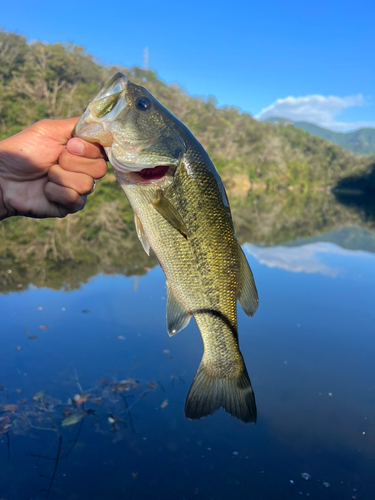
76	146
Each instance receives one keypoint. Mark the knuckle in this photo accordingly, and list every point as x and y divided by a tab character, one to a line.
72	197
81	202
42	125
100	168
87	185
54	174
64	159
103	166
53	169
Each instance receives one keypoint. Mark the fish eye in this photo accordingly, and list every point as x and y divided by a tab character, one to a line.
143	103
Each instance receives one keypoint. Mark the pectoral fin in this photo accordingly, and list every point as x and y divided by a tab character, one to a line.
141	234
177	315
170	214
248	295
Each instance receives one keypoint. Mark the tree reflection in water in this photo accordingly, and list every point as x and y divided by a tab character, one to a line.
63	254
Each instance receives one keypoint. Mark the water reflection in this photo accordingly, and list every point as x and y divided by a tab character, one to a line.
309	350
308	258
63	254
107	407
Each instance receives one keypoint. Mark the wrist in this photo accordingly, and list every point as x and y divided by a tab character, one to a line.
3	209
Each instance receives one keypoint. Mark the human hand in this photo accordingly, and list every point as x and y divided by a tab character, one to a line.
44	172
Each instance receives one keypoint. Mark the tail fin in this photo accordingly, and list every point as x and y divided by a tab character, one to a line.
209	392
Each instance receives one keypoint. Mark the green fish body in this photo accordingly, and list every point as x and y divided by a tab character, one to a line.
182	213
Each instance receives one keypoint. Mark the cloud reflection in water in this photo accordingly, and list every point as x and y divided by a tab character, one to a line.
302	259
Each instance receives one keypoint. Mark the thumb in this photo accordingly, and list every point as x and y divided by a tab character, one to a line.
61	129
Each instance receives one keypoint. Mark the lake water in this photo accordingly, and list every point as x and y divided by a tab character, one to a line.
309	351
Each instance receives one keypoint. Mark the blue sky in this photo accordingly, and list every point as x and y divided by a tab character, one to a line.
306	60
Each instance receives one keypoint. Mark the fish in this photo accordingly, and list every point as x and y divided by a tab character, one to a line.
182	213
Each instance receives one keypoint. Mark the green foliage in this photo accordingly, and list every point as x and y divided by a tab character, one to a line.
40	80
43	81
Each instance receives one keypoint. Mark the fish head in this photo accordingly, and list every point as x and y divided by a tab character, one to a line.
139	135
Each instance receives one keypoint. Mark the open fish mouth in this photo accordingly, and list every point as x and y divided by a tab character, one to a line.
158	175
101	122
128	158
95	125
155	173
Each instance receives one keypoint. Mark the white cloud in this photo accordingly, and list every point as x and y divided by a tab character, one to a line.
316	109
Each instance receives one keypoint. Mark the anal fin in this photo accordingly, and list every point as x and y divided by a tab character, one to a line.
141	234
178	316
248	295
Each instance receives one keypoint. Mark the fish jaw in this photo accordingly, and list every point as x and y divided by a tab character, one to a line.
134	140
100	123
94	126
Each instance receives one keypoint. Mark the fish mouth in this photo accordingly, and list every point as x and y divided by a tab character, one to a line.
130	157
155	173
152	175
95	125
134	168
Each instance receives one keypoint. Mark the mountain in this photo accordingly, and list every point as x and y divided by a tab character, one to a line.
57	80
360	141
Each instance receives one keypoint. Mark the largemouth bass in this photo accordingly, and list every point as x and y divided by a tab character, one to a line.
182	212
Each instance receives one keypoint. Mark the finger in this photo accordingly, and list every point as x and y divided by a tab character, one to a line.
95	168
81	183
68	200
80	147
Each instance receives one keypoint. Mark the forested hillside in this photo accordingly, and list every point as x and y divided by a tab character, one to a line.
39	80
359	141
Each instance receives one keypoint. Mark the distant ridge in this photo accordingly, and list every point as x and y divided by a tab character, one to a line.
360	141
